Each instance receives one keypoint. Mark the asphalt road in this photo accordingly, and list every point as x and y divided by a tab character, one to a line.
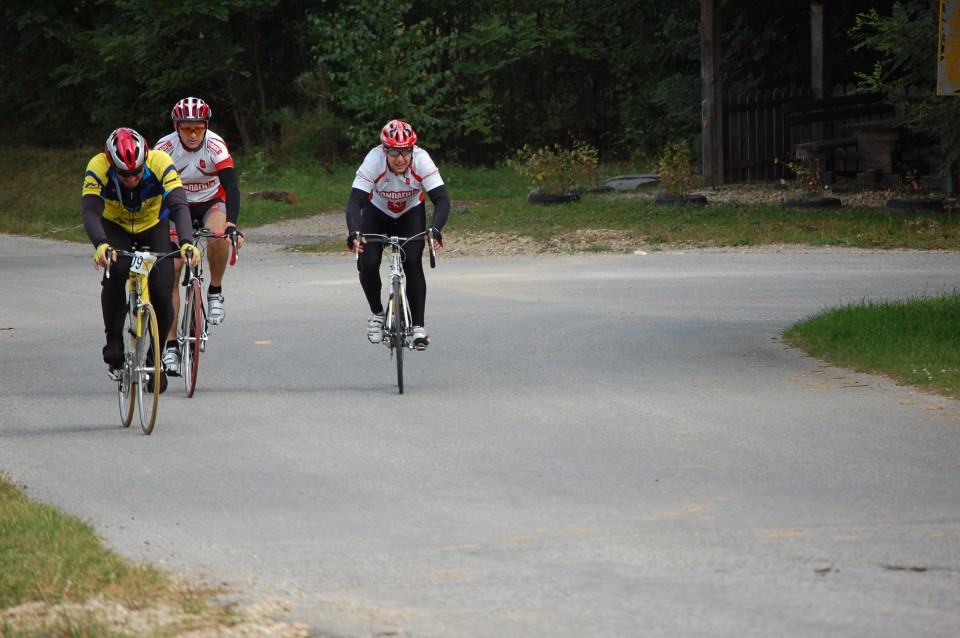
600	446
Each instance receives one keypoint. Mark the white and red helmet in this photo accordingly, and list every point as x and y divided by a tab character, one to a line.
126	150
191	109
397	134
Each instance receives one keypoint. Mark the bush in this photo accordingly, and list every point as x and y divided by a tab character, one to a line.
558	170
675	167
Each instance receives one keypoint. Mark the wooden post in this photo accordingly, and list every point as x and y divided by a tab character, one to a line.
819	73
712	91
948	69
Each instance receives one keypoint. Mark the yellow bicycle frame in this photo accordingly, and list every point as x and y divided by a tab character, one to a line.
140	265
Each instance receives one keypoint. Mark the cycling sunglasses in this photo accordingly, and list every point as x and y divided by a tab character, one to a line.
193	130
393	152
135	173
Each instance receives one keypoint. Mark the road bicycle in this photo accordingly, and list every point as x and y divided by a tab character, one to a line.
398	324
193	330
138	379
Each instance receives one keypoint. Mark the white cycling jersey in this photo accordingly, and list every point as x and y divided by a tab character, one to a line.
396	194
198	169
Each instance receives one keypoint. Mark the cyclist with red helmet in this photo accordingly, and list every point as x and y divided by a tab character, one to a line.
387	197
213	192
130	196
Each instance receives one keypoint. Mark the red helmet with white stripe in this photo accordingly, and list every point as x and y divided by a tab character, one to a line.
397	134
126	150
191	109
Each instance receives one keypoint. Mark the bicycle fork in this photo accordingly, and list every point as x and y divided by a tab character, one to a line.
389	328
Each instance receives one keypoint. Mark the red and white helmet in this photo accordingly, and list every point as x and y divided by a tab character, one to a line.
397	134
126	150
191	109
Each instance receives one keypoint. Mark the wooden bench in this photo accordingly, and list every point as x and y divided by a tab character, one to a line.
817	128
821	148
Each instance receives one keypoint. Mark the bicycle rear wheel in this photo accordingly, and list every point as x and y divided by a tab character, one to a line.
148	368
396	308
192	337
126	381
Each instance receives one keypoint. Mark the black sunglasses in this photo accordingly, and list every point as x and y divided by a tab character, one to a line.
393	152
135	173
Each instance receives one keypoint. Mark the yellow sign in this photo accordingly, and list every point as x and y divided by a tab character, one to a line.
948	54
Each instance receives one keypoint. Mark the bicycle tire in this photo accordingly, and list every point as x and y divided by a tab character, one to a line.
148	346
398	330
192	337
125	384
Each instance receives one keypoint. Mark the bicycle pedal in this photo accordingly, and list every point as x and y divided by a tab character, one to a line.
115	374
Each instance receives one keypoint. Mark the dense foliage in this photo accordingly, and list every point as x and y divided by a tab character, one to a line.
316	78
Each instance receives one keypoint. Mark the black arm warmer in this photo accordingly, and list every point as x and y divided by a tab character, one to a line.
441	206
358	199
93	219
176	201
231	186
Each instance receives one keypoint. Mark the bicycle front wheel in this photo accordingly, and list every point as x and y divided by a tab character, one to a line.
127	379
192	339
398	329
148	368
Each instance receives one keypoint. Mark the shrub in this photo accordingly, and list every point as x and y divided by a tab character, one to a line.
675	167
558	170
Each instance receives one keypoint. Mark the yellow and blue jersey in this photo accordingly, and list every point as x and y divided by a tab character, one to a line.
145	211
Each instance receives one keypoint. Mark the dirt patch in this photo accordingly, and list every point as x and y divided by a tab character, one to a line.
97	614
331	226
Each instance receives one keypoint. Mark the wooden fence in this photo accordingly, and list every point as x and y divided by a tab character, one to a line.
763	127
754	134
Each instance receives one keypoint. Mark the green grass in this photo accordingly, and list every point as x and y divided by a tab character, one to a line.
44	201
715	226
915	342
51	558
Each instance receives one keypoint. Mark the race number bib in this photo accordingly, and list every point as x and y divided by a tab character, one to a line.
142	262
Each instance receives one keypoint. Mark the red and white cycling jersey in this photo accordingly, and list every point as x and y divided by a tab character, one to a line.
198	169
396	194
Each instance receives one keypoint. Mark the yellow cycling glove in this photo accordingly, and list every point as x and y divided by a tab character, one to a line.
183	251
101	253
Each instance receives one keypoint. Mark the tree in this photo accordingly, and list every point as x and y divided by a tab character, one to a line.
904	42
33	36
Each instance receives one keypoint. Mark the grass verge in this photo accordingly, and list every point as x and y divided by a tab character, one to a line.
57	579
45	202
914	342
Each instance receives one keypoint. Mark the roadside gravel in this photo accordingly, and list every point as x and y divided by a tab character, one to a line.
331	227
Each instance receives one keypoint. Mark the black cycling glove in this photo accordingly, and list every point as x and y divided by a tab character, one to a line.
350	237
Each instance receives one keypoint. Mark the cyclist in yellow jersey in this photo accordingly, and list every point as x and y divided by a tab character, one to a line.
129	195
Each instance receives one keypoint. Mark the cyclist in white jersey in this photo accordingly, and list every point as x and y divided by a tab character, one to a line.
387	198
213	192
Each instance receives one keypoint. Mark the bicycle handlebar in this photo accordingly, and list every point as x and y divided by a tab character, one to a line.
206	233
399	242
132	253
